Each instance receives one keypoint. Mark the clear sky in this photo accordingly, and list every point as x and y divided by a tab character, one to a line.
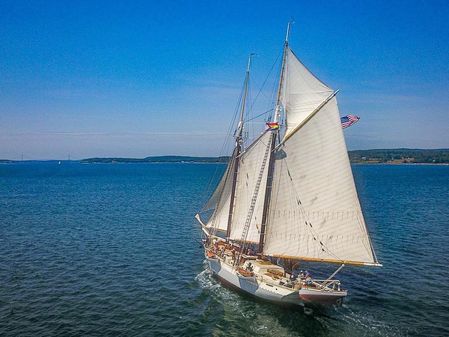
140	78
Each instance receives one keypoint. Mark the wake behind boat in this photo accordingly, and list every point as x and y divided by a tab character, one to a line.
288	197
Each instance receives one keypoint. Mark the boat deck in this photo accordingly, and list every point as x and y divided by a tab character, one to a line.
265	271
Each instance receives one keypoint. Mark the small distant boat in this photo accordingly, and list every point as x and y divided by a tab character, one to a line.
288	197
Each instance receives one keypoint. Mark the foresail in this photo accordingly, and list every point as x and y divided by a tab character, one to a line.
220	200
314	210
249	170
302	91
213	201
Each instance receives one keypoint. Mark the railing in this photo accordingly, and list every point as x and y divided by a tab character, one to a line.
325	285
328	285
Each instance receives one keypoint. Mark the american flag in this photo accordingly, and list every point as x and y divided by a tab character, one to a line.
348	120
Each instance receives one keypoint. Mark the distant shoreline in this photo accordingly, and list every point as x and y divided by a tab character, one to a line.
367	157
5	162
401	164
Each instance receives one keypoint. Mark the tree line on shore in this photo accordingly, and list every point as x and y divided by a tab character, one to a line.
396	156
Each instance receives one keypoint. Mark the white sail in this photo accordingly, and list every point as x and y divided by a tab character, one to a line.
314	211
302	91
213	201
220	200
249	169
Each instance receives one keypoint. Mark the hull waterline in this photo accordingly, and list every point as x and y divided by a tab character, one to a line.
252	286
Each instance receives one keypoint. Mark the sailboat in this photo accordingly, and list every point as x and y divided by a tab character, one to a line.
288	198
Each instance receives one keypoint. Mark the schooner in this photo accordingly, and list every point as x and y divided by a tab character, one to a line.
288	197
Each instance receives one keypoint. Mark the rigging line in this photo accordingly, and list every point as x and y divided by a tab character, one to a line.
254	143
248	113
302	210
229	131
272	98
255	194
363	228
265	81
259	115
232	159
223	148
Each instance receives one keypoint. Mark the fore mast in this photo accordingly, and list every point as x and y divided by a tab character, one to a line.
238	145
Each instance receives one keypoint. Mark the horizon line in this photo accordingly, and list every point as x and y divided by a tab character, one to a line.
205	156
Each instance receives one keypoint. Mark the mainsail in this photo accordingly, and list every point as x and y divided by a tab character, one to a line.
314	211
249	170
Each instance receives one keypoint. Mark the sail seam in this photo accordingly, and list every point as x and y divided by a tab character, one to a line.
308	224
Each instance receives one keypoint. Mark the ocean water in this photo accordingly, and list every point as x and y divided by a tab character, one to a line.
113	250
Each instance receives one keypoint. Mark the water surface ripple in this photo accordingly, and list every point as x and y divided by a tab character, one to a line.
113	250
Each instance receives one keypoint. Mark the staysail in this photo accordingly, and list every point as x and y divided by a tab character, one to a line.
314	211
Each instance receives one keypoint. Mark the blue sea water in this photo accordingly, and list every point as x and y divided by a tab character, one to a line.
113	250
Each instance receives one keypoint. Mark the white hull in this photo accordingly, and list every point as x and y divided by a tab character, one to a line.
254	286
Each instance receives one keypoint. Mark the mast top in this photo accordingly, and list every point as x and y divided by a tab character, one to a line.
248	67
277	114
239	130
289	25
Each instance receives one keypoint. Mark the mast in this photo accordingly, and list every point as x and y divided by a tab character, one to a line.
238	145
274	135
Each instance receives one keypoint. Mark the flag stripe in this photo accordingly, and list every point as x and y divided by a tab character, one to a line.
348	120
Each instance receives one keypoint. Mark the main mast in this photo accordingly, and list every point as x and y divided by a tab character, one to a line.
238	145
274	135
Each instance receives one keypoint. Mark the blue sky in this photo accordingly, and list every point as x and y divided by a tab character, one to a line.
140	78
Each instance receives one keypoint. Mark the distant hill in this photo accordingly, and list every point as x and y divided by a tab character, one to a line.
375	156
399	156
389	156
159	159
